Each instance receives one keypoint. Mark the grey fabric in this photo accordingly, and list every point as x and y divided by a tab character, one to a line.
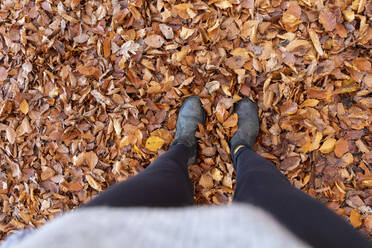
238	225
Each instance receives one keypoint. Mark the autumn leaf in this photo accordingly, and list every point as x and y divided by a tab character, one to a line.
3	74
154	143
327	19
221	112
223	4
106	47
328	146
309	103
154	40
341	147
355	218
24	106
232	121
93	183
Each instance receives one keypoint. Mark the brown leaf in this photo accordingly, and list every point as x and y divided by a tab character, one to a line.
327	19
288	108
217	175
221	112
93	183
315	39
154	40
341	147
355	218
208	151
232	121
167	31
362	64
290	163
206	181
3	74
89	71
24	106
235	62
91	159
107	47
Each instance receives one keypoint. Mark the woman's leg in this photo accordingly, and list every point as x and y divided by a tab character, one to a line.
164	183
260	183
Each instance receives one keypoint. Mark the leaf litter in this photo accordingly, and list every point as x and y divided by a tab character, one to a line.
90	93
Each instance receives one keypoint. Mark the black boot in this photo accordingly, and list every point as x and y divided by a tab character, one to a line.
248	125
191	113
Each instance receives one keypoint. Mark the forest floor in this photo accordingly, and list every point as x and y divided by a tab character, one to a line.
90	92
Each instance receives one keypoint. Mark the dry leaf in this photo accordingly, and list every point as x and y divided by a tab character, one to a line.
309	103
327	19
93	183
167	31
223	4
328	146
154	143
3	74
24	106
232	121
288	108
341	147
217	175
221	112
212	86
315	39
355	218
154	40
206	181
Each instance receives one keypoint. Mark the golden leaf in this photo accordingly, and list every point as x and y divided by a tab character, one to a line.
223	4
154	143
24	106
328	146
93	183
232	121
355	218
309	103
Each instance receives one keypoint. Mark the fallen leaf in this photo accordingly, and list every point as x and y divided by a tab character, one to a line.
212	86
167	31
327	19
315	39
154	143
348	15
206	181
355	218
328	146
93	183
154	40
3	74
24	106
288	108
232	121
341	147
309	103
217	175
91	159
223	4
290	163
221	112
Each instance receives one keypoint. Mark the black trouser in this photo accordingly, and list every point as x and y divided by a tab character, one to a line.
165	183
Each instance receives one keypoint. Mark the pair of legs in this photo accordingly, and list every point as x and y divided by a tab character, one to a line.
166	183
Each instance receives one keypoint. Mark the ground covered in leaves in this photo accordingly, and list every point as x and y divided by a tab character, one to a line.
90	91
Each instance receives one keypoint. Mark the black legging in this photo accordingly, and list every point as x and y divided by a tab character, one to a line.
165	183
